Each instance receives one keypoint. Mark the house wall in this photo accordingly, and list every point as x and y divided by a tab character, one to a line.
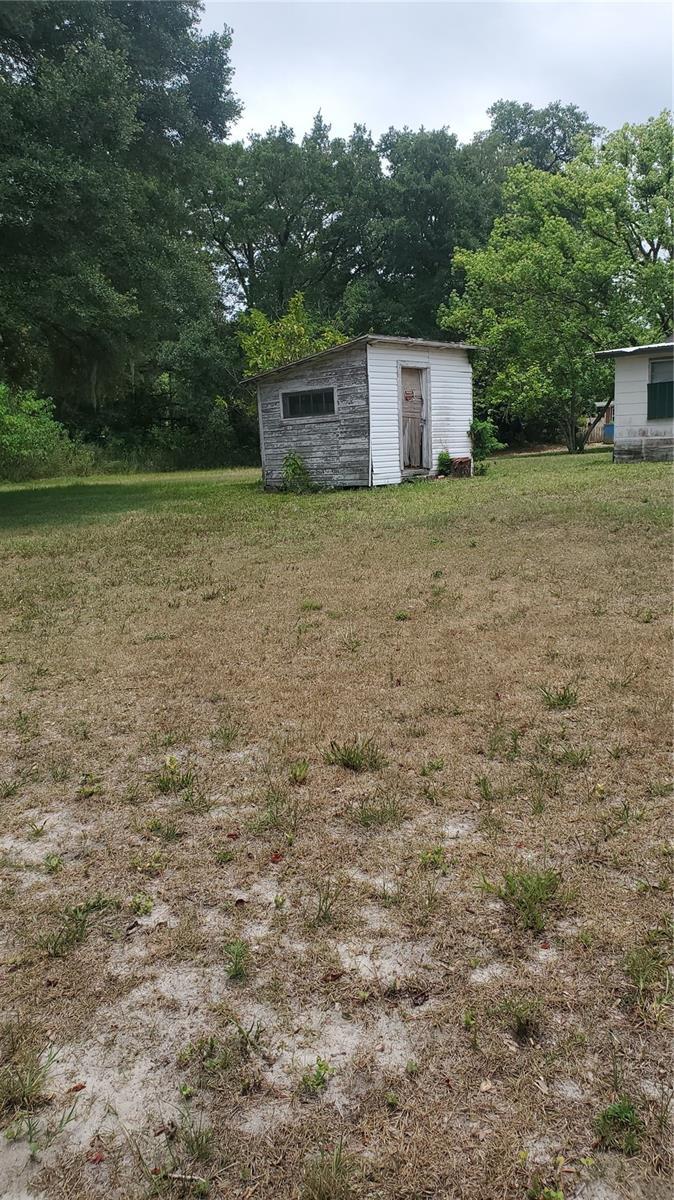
335	449
451	404
635	437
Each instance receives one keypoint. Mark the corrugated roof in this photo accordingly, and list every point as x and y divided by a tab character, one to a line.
364	339
636	349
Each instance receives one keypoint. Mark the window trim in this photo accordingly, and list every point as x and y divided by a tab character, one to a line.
312	419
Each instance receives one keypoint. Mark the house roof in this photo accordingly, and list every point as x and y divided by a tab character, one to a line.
366	339
667	343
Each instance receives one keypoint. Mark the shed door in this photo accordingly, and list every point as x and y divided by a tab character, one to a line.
413	417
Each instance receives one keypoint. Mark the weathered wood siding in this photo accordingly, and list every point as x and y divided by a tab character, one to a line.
336	449
450	402
635	437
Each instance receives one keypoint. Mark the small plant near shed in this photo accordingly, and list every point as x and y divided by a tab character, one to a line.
444	463
357	754
619	1127
484	440
295	476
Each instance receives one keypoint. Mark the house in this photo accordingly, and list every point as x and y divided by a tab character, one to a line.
643	404
374	410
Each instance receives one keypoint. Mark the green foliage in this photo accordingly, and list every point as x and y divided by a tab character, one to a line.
444	463
32	444
529	894
357	754
295	334
619	1127
315	1079
484	439
295	475
580	260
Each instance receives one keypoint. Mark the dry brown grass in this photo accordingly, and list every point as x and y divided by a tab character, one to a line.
171	647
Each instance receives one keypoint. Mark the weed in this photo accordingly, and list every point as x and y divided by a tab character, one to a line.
358	754
433	765
327	1177
148	864
562	697
619	1127
53	863
236	955
40	1135
195	1137
299	771
23	1079
194	801
523	1016
411	1068
383	808
648	969
225	734
528	894
315	1078
73	925
222	857
280	812
311	606
170	778
401	615
90	786
434	859
572	756
504	743
329	892
36	831
485	789
168	831
8	788
618	818
141	904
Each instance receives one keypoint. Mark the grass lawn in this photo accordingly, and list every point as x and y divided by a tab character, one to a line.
334	836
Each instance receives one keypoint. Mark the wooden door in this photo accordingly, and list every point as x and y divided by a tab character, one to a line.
413	417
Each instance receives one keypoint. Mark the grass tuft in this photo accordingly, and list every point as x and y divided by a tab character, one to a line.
358	754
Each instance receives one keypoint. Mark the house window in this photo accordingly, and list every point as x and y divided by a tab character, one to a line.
308	404
661	390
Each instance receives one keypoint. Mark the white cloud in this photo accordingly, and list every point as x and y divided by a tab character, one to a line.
443	63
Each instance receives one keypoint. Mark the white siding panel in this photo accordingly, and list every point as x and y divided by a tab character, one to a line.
631	399
451	404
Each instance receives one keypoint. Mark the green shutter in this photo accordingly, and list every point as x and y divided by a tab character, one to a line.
660	401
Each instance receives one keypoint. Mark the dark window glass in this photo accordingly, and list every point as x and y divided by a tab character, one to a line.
309	404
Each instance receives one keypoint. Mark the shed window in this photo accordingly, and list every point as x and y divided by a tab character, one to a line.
661	390
308	404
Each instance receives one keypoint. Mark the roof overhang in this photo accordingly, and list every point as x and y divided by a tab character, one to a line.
366	339
630	351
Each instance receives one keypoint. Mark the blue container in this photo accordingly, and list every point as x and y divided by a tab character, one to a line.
607	433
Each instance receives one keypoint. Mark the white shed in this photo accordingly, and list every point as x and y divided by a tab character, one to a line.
643	402
375	410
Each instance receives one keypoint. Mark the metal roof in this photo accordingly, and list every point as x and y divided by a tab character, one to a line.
364	339
666	344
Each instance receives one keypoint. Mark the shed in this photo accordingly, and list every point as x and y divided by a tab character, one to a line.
374	410
643	405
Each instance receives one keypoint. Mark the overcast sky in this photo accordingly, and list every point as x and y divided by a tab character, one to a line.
443	63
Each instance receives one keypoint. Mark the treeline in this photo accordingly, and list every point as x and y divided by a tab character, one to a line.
145	258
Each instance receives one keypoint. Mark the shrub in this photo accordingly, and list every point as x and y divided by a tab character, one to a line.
444	463
295	476
32	444
484	439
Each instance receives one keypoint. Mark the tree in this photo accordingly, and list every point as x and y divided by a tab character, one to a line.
267	344
580	260
546	138
284	217
108	111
